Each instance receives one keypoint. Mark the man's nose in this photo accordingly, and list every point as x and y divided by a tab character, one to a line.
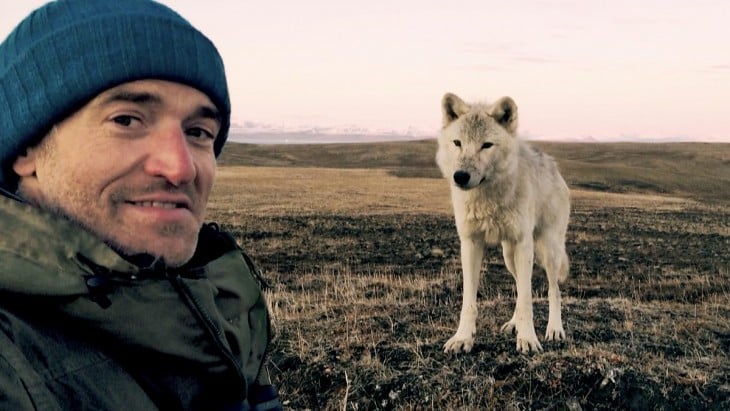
170	156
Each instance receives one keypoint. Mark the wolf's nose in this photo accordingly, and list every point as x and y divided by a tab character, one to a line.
461	177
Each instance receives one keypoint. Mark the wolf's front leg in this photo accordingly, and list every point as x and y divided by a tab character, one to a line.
523	254
472	253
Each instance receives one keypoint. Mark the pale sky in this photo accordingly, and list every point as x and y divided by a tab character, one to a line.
631	70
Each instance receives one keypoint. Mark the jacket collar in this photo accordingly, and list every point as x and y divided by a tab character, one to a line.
39	245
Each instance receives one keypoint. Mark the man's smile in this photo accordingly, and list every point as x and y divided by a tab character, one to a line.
158	204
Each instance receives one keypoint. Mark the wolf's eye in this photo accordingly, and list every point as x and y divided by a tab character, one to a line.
487	145
457	143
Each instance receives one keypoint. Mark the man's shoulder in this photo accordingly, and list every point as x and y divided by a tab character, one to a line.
13	392
43	361
22	377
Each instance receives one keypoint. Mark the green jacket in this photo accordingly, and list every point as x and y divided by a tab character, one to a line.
83	328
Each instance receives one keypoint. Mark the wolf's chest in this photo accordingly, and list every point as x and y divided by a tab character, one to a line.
483	215
492	228
495	224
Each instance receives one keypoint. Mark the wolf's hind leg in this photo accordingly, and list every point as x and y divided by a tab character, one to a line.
555	261
508	252
522	319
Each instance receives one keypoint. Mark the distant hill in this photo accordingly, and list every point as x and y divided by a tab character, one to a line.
401	154
696	170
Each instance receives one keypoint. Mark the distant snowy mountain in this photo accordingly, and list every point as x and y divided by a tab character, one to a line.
263	133
632	139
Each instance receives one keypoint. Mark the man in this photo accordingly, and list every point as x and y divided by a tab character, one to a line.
113	292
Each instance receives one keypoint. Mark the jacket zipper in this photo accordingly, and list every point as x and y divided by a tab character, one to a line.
211	328
262	376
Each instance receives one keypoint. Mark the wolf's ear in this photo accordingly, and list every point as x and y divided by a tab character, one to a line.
505	112
452	107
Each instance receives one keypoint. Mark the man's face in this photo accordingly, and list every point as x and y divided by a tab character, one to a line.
134	166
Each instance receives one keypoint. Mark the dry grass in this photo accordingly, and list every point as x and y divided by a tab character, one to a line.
699	171
314	190
366	289
370	191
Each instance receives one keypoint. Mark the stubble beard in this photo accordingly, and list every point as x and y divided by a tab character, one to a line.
104	231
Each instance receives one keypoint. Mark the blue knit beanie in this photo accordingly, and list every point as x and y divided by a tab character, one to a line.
68	51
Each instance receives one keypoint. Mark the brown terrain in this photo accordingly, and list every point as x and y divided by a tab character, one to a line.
358	246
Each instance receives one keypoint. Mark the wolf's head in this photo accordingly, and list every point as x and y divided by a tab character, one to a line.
477	141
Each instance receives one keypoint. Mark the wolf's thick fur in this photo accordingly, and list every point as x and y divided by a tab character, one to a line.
503	191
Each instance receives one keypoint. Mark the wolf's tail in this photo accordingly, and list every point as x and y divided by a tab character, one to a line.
564	268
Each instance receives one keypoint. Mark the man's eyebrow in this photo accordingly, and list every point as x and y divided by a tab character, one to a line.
142	97
149	98
132	97
208	112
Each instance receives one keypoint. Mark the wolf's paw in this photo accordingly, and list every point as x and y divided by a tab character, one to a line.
554	333
527	343
526	337
508	327
459	343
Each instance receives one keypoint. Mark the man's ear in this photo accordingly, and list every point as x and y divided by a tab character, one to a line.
25	164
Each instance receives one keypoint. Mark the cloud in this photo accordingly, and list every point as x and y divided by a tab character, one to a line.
719	67
535	60
503	56
496	47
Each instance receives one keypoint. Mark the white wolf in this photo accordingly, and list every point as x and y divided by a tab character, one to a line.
503	191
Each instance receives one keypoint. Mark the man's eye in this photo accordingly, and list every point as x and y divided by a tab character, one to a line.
199	132
124	120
